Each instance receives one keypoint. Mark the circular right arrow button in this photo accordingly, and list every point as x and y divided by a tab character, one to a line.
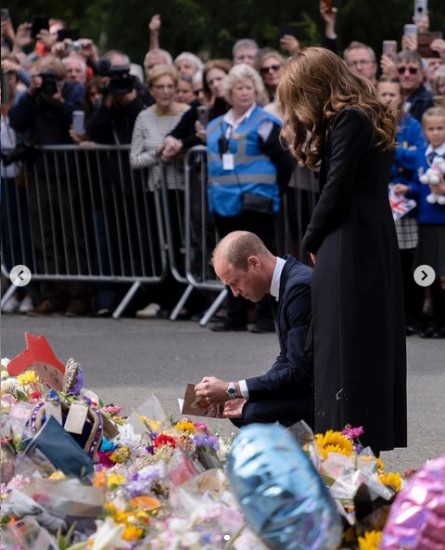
424	275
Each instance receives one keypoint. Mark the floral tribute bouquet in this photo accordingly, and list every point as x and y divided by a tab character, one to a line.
147	481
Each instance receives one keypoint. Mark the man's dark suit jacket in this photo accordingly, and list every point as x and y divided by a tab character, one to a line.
284	392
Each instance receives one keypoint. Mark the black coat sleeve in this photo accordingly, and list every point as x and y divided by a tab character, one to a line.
351	135
280	156
292	367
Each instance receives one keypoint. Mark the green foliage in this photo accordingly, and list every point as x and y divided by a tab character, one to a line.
212	26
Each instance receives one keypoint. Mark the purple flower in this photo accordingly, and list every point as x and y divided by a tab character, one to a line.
208	441
78	382
140	483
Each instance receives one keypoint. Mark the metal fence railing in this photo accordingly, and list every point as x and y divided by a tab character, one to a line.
83	214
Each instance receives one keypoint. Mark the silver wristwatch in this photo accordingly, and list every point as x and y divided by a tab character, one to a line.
231	391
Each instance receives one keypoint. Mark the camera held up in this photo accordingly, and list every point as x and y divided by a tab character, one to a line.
50	81
120	80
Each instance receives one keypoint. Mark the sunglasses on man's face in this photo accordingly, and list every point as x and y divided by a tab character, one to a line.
411	70
265	70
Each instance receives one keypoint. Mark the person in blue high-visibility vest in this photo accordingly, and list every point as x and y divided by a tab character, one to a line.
248	167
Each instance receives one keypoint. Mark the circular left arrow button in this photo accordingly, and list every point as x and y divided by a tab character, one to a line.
20	275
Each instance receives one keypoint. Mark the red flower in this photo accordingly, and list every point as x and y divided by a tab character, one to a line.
35	395
162	440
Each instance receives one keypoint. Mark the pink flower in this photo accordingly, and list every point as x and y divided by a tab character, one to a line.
353	433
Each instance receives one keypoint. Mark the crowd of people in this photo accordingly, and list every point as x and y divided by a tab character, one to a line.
168	104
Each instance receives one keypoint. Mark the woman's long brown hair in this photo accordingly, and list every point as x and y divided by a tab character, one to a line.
315	87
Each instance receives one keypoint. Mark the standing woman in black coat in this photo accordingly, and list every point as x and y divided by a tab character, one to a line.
334	121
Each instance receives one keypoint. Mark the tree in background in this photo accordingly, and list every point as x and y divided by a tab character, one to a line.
210	27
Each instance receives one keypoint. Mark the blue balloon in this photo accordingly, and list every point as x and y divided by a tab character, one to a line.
283	497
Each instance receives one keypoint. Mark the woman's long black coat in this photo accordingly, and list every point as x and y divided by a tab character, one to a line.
358	321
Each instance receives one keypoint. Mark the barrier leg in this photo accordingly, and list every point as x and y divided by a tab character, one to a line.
126	300
9	292
182	300
214	307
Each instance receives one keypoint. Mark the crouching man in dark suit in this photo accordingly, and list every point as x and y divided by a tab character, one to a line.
284	393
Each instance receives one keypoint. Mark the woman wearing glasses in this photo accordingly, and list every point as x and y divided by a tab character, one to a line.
335	122
270	66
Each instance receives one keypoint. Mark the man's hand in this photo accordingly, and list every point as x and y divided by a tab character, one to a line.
234	408
388	66
212	389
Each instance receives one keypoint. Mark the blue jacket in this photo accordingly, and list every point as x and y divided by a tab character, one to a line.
292	367
409	135
254	172
429	214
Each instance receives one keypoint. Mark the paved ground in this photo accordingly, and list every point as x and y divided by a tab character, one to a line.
127	359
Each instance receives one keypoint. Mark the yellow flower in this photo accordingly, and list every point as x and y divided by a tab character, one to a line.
392	480
132	533
152	425
55	476
380	464
370	541
120	456
120	516
185	426
27	377
333	442
115	480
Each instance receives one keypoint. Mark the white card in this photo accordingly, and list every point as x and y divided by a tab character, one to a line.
55	410
228	161
76	418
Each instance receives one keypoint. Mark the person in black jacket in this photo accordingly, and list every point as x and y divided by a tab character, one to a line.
284	393
43	115
335	122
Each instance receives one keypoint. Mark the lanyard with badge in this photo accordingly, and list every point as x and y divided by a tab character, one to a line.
228	159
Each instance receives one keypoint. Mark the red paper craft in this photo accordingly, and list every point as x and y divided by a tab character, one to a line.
39	356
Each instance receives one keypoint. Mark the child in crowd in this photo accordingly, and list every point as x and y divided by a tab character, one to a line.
410	140
431	248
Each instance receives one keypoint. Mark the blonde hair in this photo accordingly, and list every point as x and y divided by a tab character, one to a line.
240	72
438	112
162	70
315	87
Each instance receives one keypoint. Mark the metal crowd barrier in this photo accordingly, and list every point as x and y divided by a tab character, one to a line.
82	214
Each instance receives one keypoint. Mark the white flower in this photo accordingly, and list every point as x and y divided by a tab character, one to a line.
108	535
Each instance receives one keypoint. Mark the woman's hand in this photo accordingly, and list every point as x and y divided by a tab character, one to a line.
289	44
200	131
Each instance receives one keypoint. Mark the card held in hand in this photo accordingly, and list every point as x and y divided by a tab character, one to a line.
198	406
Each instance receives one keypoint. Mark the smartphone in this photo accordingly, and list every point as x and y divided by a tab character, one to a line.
203	115
5	14
410	30
72	34
38	23
389	48
79	122
286	28
420	9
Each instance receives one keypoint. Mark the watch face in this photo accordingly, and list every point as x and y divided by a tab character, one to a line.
231	392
